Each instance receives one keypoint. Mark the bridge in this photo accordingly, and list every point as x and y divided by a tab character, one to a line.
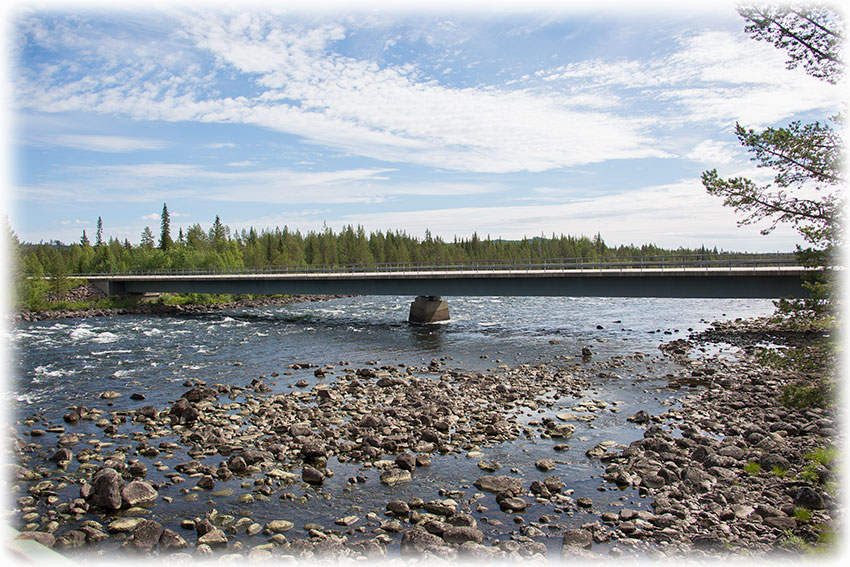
768	276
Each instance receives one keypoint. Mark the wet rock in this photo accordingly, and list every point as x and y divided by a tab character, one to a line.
62	457
545	465
499	484
642	416
138	493
406	461
416	541
106	489
236	464
512	504
577	538
398	508
121	525
278	526
395	476
214	538
171	541
313	449
462	534
146	535
312	475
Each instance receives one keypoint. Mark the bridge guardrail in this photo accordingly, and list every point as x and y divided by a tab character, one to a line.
664	262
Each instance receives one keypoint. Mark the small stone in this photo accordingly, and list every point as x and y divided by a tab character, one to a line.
312	475
347	521
213	538
279	526
513	504
641	416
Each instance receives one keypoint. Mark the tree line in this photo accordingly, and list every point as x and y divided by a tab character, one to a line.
222	247
46	266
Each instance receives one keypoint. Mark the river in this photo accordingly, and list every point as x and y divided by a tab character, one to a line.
62	363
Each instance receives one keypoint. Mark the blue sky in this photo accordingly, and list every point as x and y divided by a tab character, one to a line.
504	121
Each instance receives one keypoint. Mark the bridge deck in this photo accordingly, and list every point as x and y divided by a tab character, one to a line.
734	281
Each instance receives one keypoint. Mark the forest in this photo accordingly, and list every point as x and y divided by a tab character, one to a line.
52	266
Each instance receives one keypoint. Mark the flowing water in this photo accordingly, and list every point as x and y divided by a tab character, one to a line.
60	363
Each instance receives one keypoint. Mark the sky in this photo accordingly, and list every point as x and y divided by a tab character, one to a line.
455	118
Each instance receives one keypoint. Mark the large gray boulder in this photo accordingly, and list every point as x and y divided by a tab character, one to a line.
499	484
106	489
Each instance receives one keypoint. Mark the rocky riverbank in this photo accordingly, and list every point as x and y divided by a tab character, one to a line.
90	293
725	471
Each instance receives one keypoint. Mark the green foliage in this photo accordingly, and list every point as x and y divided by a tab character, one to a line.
778	471
823	455
165	241
806	159
196	298
752	468
812	35
802	515
808	394
220	247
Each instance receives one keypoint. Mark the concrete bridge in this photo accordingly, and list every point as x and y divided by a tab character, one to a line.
773	277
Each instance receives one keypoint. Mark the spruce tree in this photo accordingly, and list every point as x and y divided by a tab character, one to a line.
165	241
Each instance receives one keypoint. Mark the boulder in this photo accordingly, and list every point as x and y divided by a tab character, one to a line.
138	493
499	484
462	534
106	488
312	475
146	535
414	542
394	476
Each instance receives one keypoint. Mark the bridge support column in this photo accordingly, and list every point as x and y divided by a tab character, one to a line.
428	309
110	288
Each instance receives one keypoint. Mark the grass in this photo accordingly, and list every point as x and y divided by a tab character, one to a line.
802	515
196	298
752	469
778	471
823	455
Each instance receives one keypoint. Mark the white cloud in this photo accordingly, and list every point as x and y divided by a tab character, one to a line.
164	181
100	143
307	89
714	76
679	214
713	152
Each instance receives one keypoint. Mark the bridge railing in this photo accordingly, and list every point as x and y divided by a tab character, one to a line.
536	264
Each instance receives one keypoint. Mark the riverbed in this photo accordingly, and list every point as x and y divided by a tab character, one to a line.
297	350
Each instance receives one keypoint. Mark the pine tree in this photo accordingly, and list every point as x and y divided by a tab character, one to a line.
803	156
165	241
99	237
147	238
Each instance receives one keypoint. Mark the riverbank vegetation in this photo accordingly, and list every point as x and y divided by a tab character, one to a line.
47	267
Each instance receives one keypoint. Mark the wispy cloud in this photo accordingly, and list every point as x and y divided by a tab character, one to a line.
144	182
306	88
99	143
679	214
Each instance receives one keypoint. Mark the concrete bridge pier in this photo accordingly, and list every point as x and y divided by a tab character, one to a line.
428	309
